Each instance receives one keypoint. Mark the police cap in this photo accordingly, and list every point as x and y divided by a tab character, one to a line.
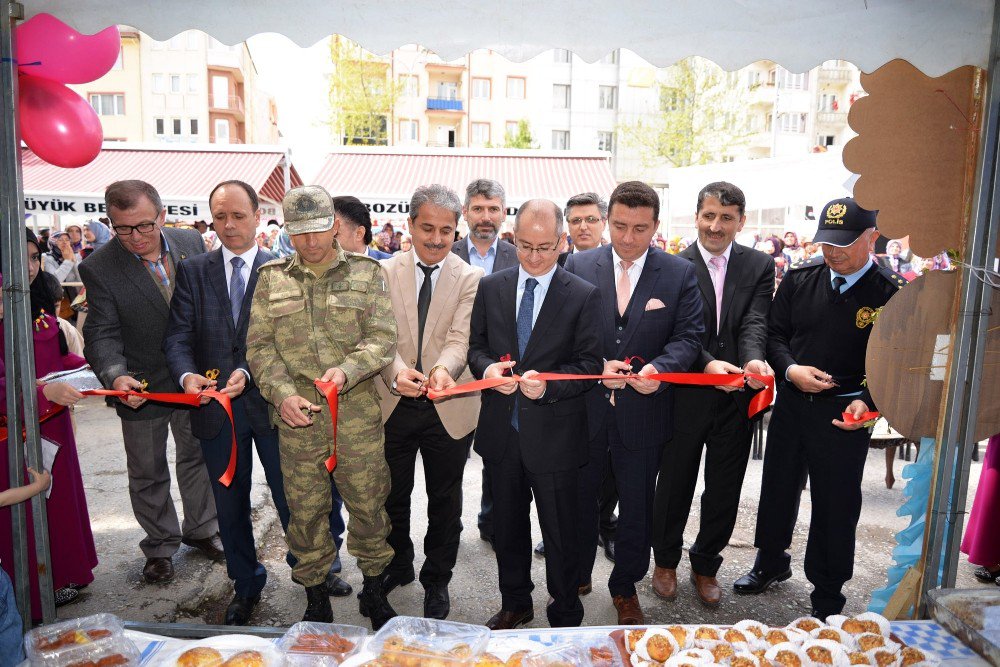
842	222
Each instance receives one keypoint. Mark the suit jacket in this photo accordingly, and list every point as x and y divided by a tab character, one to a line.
505	259
127	316
446	335
377	254
200	335
552	428
669	338
746	300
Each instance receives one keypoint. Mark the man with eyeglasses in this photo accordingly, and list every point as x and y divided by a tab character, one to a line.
528	320
129	284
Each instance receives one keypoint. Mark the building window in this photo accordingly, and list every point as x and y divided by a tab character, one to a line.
611	58
220	92
792	122
409	130
221	131
481	89
159	83
560	55
515	87
160	127
560	140
606	141
824	140
560	96
176	43
108	104
194	127
175	83
510	129
480	134
410	85
176	122
195	39
828	102
792	81
192	80
607	97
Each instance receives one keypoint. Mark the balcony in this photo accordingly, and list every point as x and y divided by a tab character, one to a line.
835	75
831	118
762	94
230	104
443	104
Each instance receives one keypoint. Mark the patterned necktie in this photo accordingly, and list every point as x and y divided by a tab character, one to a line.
423	304
838	284
718	280
624	287
237	288
524	316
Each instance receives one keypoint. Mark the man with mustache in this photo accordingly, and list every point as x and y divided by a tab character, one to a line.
432	292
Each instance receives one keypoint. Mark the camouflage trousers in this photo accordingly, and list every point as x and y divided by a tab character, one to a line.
362	477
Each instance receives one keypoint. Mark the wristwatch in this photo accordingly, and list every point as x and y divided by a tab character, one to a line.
394	388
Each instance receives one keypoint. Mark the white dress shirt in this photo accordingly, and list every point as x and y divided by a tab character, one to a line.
418	273
634	271
541	289
248	257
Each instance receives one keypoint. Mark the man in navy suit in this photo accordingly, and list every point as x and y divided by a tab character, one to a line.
355	230
532	435
206	335
651	322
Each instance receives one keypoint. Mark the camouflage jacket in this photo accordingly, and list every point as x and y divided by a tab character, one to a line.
301	325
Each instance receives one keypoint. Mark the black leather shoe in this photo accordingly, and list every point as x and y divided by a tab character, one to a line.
66	595
986	575
609	550
318	609
210	546
437	604
337	587
239	610
756	581
508	620
393	580
158	570
372	603
540	549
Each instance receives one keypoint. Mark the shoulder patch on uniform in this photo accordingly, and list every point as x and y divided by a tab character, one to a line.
807	263
361	257
891	276
281	261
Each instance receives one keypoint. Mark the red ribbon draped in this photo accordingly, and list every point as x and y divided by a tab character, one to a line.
865	416
329	390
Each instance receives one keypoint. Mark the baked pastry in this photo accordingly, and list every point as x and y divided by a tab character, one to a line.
199	656
516	658
734	636
911	656
245	659
489	660
112	660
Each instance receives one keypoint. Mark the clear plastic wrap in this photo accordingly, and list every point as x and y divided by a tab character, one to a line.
111	652
320	644
414	642
50	642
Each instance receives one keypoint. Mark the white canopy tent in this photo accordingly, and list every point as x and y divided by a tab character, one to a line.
933	35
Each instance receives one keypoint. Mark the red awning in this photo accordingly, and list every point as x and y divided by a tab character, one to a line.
394	175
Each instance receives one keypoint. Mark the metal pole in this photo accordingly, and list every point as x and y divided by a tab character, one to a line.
18	339
946	520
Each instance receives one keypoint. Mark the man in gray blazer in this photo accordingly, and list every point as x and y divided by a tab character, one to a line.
485	210
129	283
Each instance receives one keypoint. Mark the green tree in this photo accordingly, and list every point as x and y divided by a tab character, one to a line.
522	138
362	94
702	117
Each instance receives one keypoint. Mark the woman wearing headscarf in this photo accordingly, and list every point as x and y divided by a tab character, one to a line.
71	542
75	233
97	234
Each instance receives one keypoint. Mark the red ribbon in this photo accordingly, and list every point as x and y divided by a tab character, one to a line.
329	389
865	416
760	402
193	400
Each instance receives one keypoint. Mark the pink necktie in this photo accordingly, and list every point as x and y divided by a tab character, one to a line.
624	287
718	280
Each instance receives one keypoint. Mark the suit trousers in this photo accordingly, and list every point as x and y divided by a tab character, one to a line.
413	427
802	440
556	495
149	483
713	422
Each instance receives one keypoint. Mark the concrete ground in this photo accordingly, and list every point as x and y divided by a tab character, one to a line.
201	589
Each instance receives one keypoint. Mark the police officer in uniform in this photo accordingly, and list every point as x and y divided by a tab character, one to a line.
818	330
325	314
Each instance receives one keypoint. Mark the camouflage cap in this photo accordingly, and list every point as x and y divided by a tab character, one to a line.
308	208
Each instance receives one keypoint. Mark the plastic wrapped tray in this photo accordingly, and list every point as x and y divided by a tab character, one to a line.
971	615
320	644
601	651
567	655
112	652
50	642
414	642
220	651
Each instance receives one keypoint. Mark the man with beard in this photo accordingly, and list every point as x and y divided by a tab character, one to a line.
485	210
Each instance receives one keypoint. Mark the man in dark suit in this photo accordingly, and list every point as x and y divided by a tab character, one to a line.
129	283
485	210
206	333
651	321
736	285
355	227
531	434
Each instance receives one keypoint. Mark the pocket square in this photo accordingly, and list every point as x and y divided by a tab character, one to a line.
655	304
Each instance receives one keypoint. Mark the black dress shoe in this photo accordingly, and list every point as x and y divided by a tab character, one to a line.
609	550
66	595
239	610
540	549
337	587
158	570
393	580
508	620
756	581
986	575
210	546
437	604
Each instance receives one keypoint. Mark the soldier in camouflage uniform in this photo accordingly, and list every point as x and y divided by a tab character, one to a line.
325	314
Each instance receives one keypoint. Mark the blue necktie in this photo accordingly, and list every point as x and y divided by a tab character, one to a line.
237	288
524	317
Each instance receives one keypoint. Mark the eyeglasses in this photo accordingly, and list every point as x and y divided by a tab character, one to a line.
142	228
590	220
541	250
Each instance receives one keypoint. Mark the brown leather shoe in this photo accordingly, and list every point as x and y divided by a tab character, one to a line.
158	570
629	611
708	589
665	582
585	589
508	620
210	546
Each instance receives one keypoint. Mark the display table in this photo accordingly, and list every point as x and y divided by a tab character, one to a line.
925	635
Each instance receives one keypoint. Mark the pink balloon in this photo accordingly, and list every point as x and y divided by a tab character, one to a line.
57	124
63	54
